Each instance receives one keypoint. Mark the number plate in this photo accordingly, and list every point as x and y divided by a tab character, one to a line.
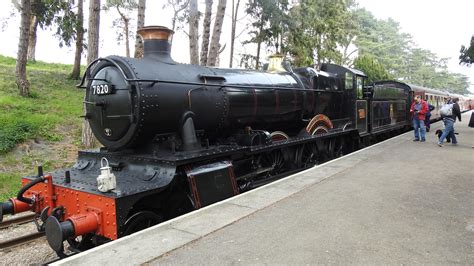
101	89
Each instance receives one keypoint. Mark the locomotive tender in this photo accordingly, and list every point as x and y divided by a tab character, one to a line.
178	137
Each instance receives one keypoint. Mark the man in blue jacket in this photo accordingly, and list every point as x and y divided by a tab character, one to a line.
449	124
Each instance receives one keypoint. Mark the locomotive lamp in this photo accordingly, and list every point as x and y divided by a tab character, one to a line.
106	181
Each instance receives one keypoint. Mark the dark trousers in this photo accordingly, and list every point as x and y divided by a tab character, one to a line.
427	122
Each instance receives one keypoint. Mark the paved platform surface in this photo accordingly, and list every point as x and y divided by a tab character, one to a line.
396	202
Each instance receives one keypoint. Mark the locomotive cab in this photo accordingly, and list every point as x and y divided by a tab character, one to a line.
354	104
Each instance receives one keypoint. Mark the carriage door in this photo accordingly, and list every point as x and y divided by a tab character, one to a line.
361	116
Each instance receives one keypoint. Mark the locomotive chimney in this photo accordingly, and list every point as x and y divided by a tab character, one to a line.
157	42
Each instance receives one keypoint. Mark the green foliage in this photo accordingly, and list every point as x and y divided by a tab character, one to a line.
372	68
55	101
9	185
467	54
317	29
49	115
15	131
270	17
127	4
383	40
59	13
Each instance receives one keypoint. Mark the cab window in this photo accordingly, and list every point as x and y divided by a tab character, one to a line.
349	81
360	86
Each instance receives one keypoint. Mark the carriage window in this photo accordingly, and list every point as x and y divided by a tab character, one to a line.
360	85
349	81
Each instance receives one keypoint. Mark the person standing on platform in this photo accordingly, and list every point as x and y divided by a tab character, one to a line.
471	123
418	109
428	115
449	123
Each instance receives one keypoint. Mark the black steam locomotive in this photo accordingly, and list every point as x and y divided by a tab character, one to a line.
179	137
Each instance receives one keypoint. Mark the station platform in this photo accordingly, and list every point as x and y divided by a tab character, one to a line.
396	202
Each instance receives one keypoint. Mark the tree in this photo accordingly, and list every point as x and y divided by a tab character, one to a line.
46	13
123	8
206	32
88	139
372	68
269	18
76	69
383	40
467	54
179	13
32	38
193	32
235	11
317	30
93	31
140	24
216	33
35	7
21	80
351	29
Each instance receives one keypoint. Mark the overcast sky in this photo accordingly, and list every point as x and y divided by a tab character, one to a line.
439	26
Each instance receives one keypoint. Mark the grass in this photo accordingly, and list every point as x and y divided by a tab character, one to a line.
48	117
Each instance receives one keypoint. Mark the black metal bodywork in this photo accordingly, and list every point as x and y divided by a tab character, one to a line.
163	95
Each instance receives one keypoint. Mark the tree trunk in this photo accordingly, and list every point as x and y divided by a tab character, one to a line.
235	11
259	44
32	38
193	32
140	24
125	20
21	81
93	31
127	38
76	70
257	59
88	139
206	32
216	33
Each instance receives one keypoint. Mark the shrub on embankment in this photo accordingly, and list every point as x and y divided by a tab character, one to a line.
30	126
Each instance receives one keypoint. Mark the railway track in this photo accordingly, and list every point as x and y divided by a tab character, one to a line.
20	240
13	242
18	220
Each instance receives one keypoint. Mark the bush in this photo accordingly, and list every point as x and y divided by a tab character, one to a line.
14	132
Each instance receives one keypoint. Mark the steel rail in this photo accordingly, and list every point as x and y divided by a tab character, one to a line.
20	240
17	220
